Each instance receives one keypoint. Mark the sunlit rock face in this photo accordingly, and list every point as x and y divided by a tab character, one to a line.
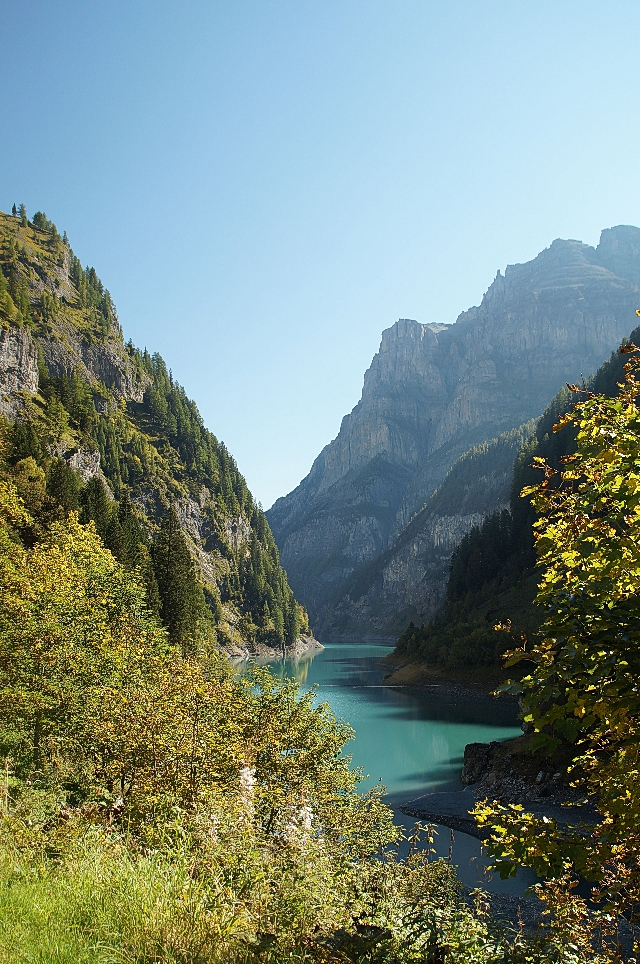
18	369
431	393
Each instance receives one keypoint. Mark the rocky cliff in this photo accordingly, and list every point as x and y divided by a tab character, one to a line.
18	369
432	393
94	425
408	579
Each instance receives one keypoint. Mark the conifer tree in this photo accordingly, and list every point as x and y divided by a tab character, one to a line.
25	442
182	605
95	506
148	576
41	221
63	484
126	537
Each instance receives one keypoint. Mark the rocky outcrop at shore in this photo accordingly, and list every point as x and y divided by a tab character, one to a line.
508	772
303	646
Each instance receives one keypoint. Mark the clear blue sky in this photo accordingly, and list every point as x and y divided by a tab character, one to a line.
265	186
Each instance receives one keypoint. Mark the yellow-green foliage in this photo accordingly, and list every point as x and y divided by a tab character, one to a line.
90	687
157	808
8	311
586	662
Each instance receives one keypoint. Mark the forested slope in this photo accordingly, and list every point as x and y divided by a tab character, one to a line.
493	575
98	426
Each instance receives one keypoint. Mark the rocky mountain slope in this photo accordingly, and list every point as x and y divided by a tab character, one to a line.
432	393
493	577
409	577
96	425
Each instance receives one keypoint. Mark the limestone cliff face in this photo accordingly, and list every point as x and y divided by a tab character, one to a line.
407	581
434	391
107	363
18	368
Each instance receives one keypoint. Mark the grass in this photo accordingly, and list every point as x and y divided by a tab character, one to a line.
100	905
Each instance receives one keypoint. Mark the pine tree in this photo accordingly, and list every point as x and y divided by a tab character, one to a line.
42	222
95	506
152	593
25	442
14	211
63	484
182	605
132	537
22	211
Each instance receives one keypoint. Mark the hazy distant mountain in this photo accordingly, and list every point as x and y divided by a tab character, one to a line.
432	393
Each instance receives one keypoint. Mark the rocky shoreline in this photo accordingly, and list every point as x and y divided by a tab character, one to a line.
508	772
303	646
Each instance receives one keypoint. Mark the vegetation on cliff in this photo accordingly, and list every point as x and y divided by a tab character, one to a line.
493	575
164	493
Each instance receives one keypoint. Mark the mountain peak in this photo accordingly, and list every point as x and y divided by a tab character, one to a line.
434	391
619	251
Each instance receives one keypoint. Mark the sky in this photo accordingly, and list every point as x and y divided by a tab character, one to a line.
266	185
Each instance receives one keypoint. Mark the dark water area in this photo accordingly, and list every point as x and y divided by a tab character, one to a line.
410	740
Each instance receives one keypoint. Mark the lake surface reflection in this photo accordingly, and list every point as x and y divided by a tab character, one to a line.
409	740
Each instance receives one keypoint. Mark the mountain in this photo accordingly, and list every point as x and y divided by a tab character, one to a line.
94	424
432	393
493	576
409	577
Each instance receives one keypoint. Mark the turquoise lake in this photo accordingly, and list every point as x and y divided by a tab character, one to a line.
412	742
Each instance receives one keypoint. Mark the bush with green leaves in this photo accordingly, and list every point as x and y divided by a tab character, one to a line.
583	685
160	807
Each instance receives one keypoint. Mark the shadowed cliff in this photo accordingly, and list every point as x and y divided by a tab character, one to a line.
432	393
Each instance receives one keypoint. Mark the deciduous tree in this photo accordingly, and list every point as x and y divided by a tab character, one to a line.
584	685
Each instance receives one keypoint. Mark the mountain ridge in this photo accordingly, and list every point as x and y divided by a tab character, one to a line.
432	392
96	425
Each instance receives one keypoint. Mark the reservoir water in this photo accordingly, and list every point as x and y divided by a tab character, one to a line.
410	741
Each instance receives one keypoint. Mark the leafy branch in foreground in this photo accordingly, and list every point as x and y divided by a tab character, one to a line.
584	685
